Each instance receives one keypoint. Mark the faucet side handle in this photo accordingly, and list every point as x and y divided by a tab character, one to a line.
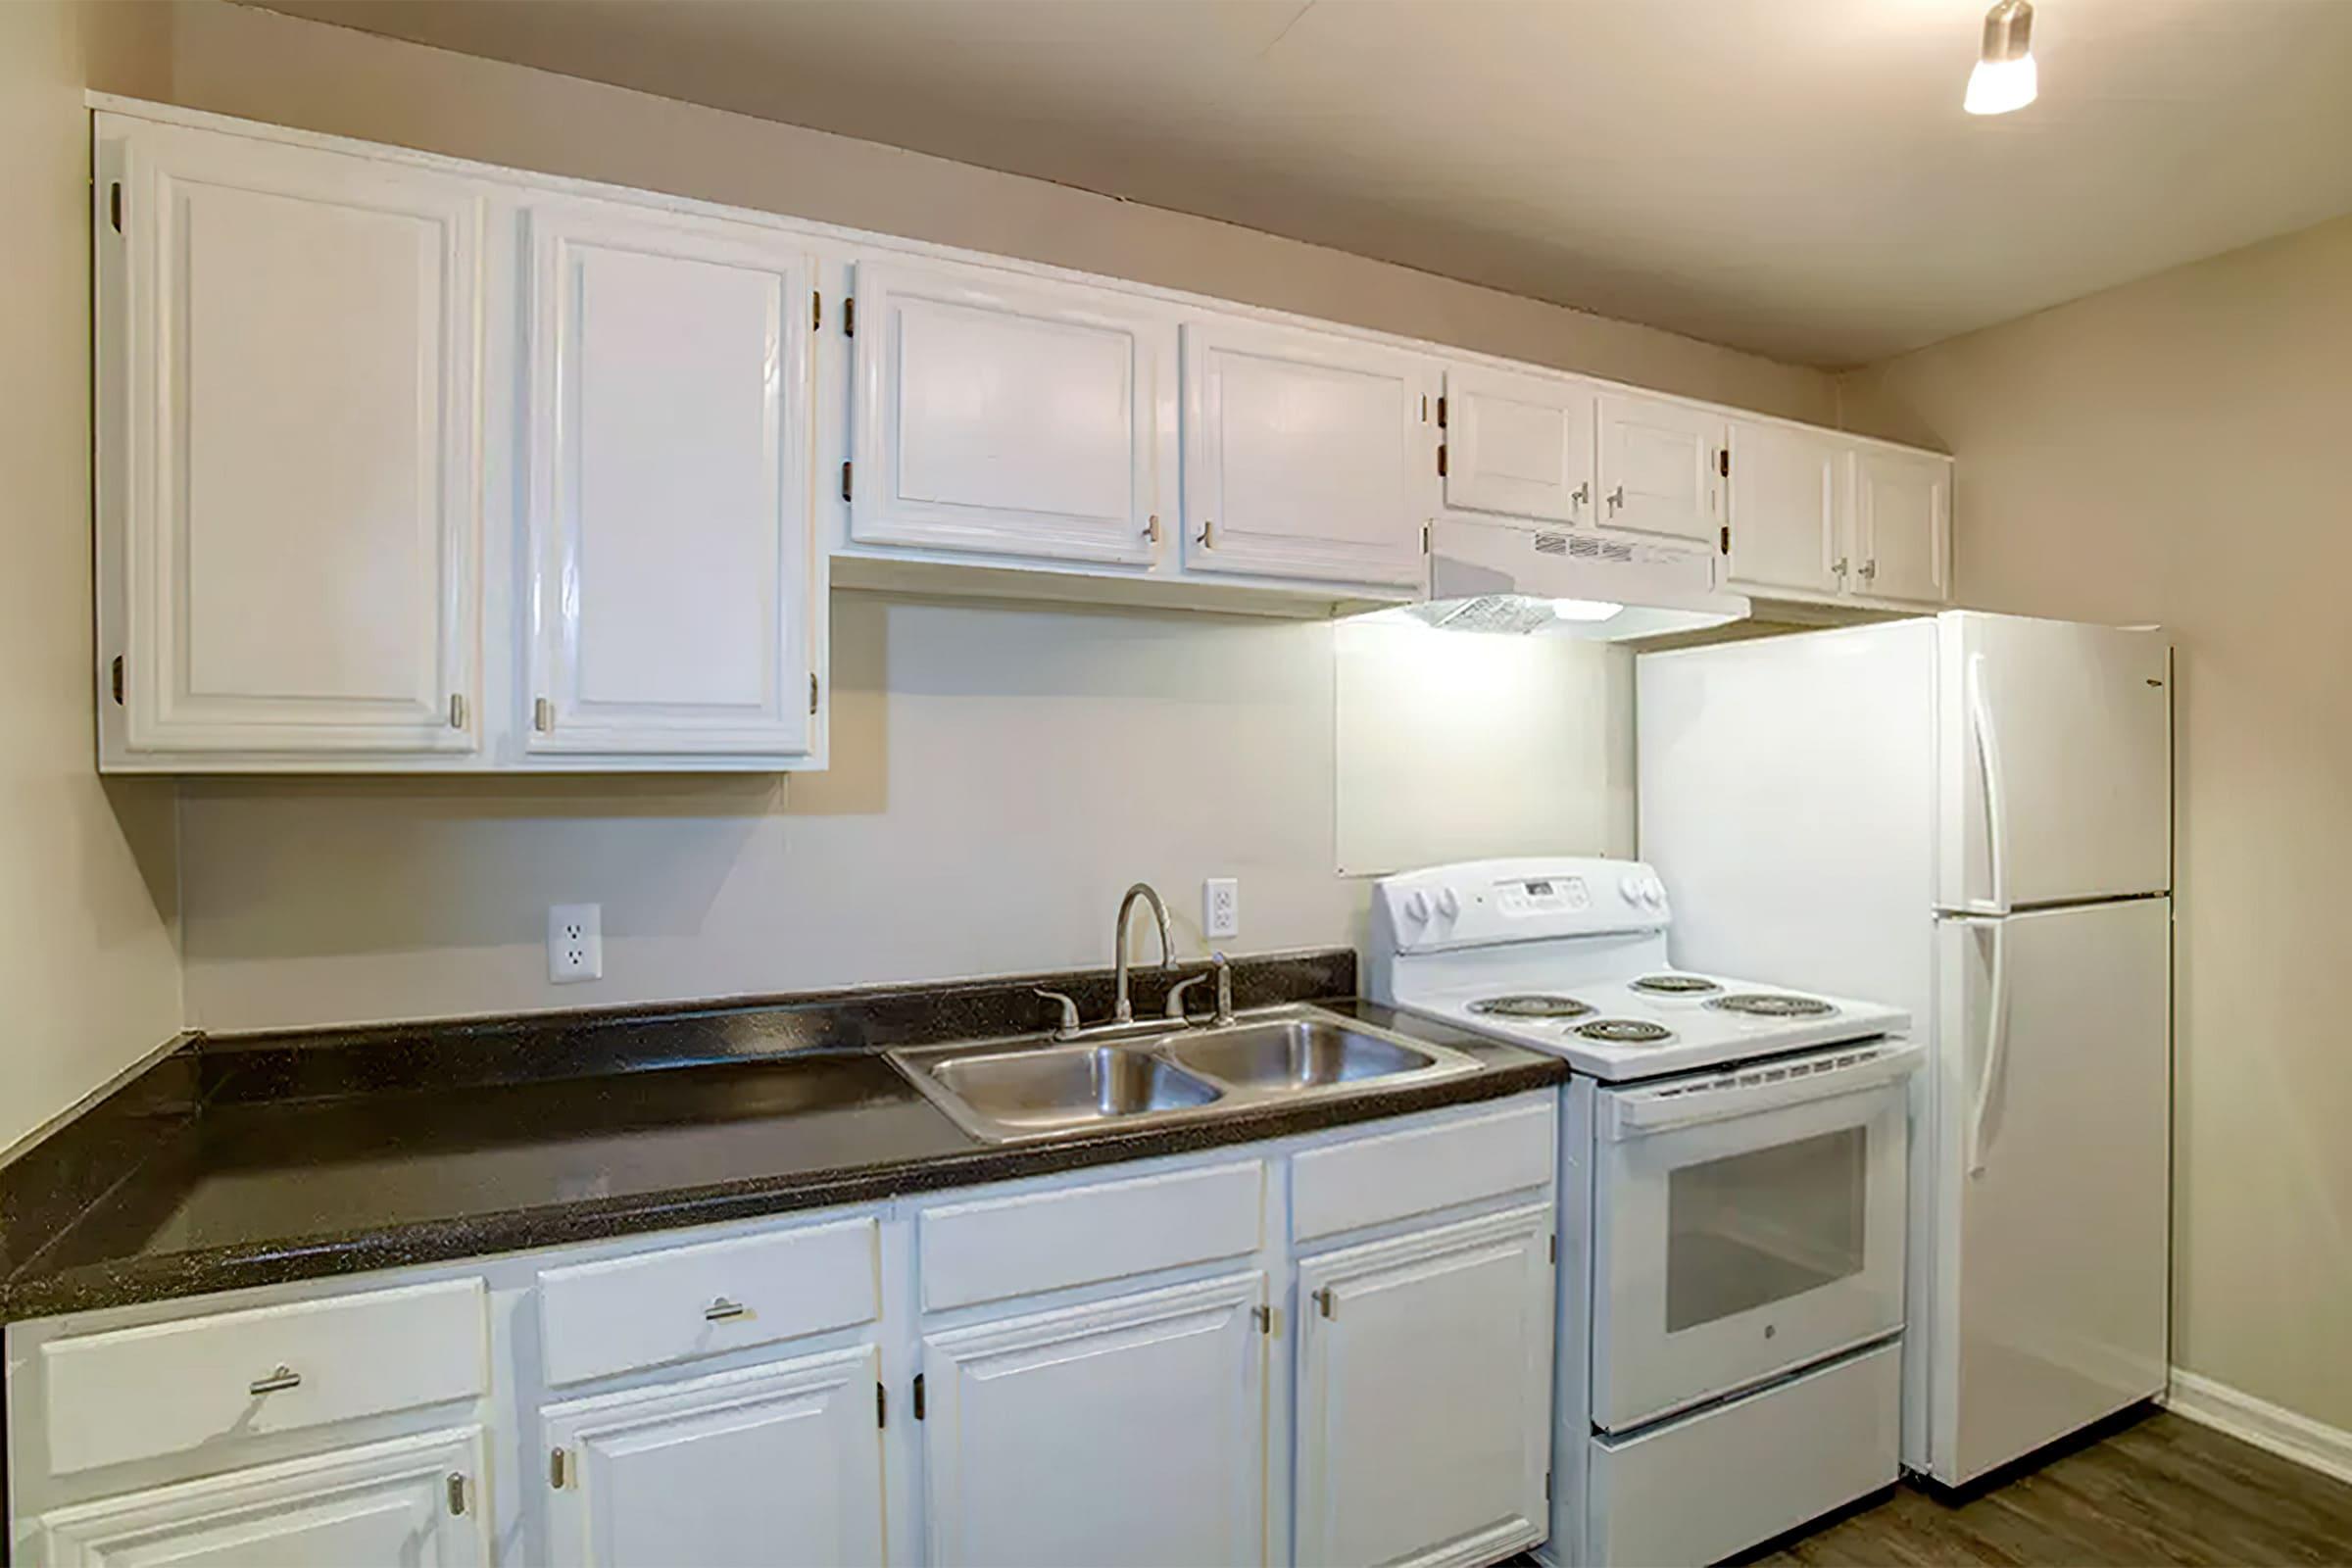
1176	993
1068	1027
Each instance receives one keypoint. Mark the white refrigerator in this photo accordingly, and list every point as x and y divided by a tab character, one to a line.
1969	816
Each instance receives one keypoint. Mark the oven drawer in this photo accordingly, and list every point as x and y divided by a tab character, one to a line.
1745	1225
1722	1480
162	1388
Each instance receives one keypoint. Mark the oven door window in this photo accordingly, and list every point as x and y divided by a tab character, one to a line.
1750	1229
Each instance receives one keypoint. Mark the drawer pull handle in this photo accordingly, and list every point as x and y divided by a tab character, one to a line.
284	1377
721	1311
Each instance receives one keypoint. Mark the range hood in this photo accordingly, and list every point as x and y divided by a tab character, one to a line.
1574	582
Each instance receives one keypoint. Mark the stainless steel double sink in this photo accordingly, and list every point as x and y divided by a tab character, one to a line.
1004	1092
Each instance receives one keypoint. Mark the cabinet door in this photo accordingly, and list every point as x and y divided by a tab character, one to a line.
669	545
770	1466
1425	1393
1519	445
287	486
1009	414
1903	504
1305	456
1784	511
415	1502
1658	467
1124	1432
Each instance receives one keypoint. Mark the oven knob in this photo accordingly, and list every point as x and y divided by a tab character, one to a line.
1416	906
1450	902
1631	886
1654	895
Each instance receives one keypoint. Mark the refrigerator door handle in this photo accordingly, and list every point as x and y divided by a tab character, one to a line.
1989	761
1996	1046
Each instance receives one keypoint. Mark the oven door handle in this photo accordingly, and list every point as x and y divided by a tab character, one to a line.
1755	1090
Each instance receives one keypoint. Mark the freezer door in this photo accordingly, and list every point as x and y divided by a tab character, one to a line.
2052	1125
2054	744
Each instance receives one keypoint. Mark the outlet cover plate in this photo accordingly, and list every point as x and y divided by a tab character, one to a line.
1221	906
575	942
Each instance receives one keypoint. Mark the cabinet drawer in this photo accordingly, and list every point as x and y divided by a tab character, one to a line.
1373	1180
1003	1247
597	1319
132	1394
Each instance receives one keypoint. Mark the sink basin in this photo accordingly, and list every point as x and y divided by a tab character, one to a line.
1008	1092
1294	1053
1070	1084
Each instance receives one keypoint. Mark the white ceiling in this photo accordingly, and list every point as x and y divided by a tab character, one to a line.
1792	177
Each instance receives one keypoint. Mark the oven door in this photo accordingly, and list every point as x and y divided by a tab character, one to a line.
1747	1224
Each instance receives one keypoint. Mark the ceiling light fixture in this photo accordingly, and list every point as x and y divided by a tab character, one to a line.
2004	78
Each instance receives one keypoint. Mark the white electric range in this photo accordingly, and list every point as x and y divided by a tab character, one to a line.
1733	1203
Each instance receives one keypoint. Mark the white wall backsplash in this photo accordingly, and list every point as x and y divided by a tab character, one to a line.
999	774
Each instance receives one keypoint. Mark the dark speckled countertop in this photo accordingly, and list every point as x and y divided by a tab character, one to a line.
256	1161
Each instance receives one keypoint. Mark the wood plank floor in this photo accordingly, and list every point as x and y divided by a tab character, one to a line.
2163	1491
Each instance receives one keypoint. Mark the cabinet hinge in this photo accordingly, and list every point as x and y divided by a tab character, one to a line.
1546	1486
117	680
1727	539
881	1406
845	480
1441	454
812	693
543	715
1265	1317
457	1492
848	315
1440	410
457	710
1552	1249
114	205
817	310
1723	462
557	1465
1425	538
919	1395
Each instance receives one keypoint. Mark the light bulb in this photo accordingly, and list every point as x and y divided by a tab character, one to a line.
2004	78
1585	609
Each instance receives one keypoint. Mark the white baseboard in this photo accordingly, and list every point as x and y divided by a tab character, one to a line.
2323	1447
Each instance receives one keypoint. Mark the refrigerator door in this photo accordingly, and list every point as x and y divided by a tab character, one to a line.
2049	1307
2054	746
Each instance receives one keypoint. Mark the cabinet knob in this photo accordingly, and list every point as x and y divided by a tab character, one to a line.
1870	569
1152	527
1326	1302
1582	494
1207	523
1617	498
1839	566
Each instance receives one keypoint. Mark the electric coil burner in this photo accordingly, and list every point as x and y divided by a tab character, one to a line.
1772	1005
1674	985
1533	1004
1625	1032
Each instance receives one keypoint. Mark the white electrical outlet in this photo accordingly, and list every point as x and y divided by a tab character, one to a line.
1221	906
575	942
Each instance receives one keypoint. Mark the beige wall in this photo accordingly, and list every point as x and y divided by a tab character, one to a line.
86	962
1002	772
2174	451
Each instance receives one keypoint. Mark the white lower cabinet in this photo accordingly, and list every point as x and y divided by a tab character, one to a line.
763	1467
1333	1349
1424	1424
1130	1432
415	1502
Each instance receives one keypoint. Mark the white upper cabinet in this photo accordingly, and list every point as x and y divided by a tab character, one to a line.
1659	467
1306	455
288	351
1519	445
1424	1422
1787	516
1902	509
1011	414
778	1464
1120	1434
671	608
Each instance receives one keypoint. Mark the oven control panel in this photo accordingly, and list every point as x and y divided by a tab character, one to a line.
1482	901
